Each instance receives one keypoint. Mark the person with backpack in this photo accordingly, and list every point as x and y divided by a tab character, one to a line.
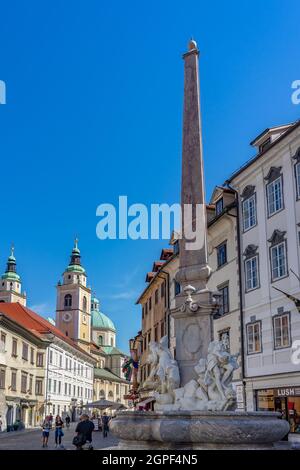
58	431
84	430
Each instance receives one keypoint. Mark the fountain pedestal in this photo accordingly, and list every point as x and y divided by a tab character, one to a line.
198	430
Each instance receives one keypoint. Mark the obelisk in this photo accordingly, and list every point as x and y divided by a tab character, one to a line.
195	304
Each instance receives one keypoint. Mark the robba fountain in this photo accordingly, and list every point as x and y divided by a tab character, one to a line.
195	404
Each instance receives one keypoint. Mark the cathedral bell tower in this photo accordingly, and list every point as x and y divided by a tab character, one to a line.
73	307
10	283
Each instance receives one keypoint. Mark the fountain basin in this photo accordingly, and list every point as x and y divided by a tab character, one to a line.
198	429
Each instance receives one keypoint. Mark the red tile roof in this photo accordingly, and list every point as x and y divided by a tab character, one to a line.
35	323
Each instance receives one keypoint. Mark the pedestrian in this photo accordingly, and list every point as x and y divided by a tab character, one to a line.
58	431
46	426
51	419
84	430
105	421
68	419
0	423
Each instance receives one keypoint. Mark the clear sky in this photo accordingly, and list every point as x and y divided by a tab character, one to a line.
94	111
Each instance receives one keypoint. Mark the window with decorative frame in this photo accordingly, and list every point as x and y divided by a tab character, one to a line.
282	331
274	191
278	255
251	268
249	208
254	343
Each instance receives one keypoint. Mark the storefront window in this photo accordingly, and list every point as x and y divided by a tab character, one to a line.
284	400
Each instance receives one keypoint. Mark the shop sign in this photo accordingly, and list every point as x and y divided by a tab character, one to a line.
287	392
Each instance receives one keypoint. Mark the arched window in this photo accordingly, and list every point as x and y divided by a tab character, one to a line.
110	395
111	341
84	304
102	394
68	300
100	340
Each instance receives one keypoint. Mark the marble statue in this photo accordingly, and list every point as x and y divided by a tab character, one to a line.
211	390
164	374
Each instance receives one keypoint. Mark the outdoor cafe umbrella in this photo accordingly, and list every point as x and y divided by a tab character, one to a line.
103	404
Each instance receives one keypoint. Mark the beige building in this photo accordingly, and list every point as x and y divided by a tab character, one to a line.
224	261
22	372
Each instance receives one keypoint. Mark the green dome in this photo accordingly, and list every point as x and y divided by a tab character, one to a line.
76	268
101	321
11	276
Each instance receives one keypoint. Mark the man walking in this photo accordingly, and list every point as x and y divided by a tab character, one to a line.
84	431
105	421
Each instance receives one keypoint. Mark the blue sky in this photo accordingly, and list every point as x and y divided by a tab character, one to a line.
94	111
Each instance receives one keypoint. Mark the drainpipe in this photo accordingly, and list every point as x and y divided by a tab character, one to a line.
240	279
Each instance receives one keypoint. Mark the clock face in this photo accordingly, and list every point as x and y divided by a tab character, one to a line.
67	316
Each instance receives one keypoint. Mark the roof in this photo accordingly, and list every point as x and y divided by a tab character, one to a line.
260	154
270	130
166	253
106	374
36	324
157	265
112	351
101	321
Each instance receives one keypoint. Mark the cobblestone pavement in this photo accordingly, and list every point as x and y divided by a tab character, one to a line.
32	440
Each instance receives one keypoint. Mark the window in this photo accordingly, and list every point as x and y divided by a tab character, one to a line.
49	385
117	389
31	355
23	382
66	389
39	386
100	340
3	340
224	300
224	336
251	273
111	341
40	359
84	304
13	384
70	389
278	261
162	290
156	296
274	196
54	386
281	327
176	287
155	334
68	301
297	176
14	349
51	357
149	337
146	308
25	352
265	145
150	303
2	377
222	254
59	387
219	206
254	337
249	212
30	384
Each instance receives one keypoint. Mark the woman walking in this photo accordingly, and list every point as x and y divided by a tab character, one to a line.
58	431
46	426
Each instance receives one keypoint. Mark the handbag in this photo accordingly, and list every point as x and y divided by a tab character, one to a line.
79	440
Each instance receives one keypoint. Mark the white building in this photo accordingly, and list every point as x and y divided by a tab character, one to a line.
269	194
70	376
